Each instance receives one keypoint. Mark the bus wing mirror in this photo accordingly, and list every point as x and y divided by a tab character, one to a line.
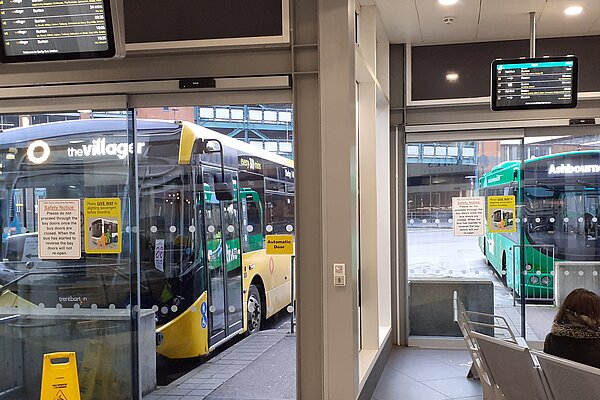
224	187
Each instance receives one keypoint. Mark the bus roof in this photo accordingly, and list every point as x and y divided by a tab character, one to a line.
79	126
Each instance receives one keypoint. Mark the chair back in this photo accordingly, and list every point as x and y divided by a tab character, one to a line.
512	368
568	380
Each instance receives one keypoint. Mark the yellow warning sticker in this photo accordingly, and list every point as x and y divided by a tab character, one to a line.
501	214
280	244
102	223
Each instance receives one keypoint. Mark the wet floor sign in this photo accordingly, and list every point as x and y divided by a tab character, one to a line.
59	377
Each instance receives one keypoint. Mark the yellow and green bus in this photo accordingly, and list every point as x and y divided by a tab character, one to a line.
193	225
559	217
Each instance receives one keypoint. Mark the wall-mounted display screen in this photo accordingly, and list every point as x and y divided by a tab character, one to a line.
45	30
534	83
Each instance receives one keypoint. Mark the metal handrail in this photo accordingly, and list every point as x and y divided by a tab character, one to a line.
4	320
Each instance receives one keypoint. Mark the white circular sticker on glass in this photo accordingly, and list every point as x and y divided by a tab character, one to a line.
172	229
437	221
211	229
153	229
174	308
289	228
212	309
424	221
250	228
231	309
192	229
112	307
230	229
594	220
538	220
412	221
518	220
128	229
155	308
552	220
580	219
164	310
269	228
566	219
450	220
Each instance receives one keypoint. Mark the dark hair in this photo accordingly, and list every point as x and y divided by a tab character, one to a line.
580	302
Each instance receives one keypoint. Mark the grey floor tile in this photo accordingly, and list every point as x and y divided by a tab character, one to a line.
407	391
456	388
430	371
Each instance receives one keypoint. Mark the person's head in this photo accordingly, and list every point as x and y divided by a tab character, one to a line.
580	302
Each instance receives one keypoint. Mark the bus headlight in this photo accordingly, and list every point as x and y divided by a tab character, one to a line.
528	267
545	280
534	279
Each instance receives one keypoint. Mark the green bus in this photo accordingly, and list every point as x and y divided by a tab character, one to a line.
559	215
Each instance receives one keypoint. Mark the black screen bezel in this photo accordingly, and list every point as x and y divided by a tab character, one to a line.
85	55
494	84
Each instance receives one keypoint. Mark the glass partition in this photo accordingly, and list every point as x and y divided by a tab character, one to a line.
68	275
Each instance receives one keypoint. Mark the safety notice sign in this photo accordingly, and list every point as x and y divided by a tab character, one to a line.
468	215
59	232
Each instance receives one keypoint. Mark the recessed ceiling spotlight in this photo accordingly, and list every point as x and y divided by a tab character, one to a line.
447	2
573	10
452	77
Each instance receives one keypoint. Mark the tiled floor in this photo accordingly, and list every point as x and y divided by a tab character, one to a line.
419	374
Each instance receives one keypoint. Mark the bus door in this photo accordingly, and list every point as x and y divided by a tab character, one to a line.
221	221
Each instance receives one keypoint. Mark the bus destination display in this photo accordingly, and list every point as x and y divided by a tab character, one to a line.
534	83
45	30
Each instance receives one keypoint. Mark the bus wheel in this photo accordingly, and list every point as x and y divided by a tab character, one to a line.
254	310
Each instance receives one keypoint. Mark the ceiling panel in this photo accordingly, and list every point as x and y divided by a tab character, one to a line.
401	20
420	21
450	33
514	12
502	31
554	22
431	12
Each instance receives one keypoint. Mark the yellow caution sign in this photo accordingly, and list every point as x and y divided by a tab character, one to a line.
59	377
280	244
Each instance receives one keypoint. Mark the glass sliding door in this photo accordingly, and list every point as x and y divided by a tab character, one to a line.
462	229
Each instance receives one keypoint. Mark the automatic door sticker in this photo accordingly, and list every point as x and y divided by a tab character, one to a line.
102	225
204	322
203	308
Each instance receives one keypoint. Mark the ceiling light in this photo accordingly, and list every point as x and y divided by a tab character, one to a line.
573	10
451	77
447	2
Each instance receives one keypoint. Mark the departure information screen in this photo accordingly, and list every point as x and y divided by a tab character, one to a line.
534	83
45	30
